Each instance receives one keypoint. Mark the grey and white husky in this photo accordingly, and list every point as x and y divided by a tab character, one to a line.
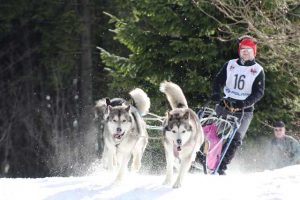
183	134
124	132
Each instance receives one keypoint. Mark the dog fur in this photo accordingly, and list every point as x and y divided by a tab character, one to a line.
183	134
124	131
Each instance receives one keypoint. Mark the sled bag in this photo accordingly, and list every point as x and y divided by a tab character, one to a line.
214	146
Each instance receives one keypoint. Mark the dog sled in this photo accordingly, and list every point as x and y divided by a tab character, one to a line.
218	131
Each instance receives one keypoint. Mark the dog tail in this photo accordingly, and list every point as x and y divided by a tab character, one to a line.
174	94
141	100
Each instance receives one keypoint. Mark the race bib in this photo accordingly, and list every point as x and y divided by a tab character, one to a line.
240	79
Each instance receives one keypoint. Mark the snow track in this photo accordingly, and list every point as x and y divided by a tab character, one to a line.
268	185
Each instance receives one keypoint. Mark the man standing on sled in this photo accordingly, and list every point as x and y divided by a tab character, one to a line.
243	84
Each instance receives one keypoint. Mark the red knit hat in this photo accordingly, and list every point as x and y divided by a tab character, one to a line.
248	41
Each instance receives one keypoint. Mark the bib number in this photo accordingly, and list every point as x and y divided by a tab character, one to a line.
239	81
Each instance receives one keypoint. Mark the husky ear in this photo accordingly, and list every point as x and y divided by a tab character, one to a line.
108	109
166	121
186	115
167	128
169	116
127	108
97	112
107	101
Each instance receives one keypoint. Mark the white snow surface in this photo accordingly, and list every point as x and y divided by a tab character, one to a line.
267	185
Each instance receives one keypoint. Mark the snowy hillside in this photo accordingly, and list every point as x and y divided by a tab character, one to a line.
268	185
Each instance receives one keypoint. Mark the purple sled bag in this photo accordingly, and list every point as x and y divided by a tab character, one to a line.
214	146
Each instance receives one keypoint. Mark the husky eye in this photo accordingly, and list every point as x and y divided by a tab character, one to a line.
173	131
124	120
114	120
183	131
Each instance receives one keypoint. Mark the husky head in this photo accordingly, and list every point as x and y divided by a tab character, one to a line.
101	106
178	129
118	120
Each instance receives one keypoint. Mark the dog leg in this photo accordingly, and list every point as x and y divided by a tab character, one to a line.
111	157
124	159
184	167
136	161
170	164
115	159
108	158
105	158
137	154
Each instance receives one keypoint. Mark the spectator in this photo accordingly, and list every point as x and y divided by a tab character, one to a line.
285	150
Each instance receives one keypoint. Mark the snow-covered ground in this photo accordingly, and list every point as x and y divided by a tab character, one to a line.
268	185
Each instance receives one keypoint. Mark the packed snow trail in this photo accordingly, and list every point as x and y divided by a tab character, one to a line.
280	184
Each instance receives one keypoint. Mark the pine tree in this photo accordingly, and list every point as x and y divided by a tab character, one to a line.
188	41
167	41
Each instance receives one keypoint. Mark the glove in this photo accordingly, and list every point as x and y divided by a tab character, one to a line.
216	97
239	104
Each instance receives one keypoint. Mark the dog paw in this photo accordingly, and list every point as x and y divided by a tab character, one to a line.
135	169
117	182
167	182
177	185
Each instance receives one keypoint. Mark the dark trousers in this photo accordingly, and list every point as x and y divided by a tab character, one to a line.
245	120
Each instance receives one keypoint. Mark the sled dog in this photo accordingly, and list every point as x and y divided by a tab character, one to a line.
124	131
182	132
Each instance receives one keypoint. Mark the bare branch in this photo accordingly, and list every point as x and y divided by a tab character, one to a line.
271	27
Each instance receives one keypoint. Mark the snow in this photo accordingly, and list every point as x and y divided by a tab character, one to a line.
267	185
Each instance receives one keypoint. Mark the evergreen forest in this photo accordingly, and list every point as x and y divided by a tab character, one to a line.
58	57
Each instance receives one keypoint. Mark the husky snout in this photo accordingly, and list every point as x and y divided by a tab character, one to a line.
119	130
119	134
179	141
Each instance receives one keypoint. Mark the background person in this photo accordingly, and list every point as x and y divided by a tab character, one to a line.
285	150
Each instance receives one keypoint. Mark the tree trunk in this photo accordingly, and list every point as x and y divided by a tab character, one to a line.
87	136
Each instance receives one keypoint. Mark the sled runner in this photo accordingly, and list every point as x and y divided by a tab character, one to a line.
218	130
